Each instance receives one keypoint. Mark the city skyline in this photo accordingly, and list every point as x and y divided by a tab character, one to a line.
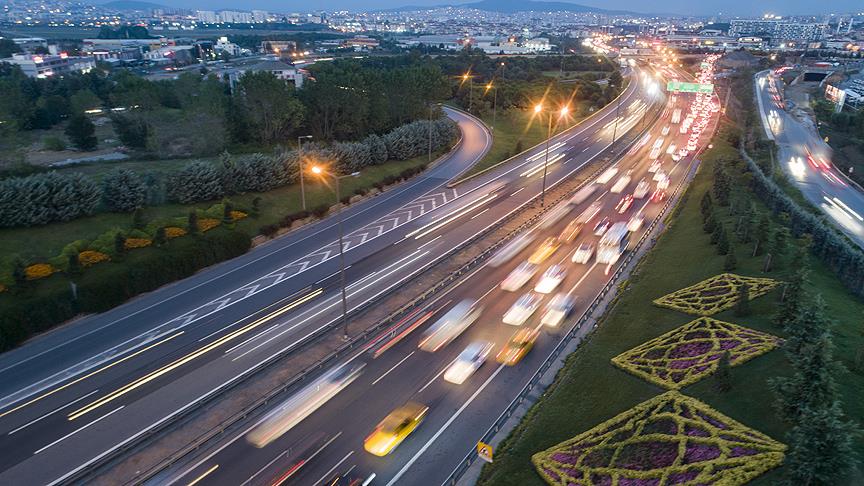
678	7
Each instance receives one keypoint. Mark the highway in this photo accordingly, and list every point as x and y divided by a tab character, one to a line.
329	443
806	159
79	393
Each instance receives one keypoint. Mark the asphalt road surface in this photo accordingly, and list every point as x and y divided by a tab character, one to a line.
329	443
84	390
806	159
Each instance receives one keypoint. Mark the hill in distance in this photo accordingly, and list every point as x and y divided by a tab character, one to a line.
514	6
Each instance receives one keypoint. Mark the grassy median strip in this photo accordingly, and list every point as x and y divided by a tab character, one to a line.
589	390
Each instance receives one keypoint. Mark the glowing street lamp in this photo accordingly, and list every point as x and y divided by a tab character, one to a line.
322	173
538	108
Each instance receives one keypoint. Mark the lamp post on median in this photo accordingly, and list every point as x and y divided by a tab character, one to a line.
300	167
470	78
336	178
562	113
491	86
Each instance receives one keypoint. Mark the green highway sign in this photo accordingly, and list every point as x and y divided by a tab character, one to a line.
678	86
704	65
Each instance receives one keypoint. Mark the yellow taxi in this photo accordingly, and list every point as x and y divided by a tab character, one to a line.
518	346
546	249
571	231
395	427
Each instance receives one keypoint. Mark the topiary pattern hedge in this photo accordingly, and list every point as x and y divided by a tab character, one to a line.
715	294
669	439
691	352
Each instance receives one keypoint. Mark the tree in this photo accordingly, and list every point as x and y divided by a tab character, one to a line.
270	106
809	326
19	274
123	191
138	220
227	207
73	265
160	238
616	80
256	206
133	131
820	447
793	293
731	262
722	242
709	225
706	205
742	305
197	181
84	100
763	231
81	132
723	377
119	243
192	223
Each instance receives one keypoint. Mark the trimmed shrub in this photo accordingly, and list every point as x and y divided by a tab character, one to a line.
197	181
123	191
377	149
44	198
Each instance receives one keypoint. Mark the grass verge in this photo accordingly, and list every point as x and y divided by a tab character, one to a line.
589	390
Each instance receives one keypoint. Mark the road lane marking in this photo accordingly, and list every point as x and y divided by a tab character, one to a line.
393	368
517	191
444	427
189	357
206	473
581	279
439	374
478	214
439	236
28	424
88	375
70	434
324	477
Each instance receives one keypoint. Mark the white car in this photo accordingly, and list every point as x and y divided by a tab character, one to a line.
519	277
557	310
642	189
522	309
683	153
469	360
659	175
551	278
691	145
654	167
665	130
636	222
607	175
583	253
663	183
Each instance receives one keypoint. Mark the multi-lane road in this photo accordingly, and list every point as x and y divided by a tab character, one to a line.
329	443
78	394
806	159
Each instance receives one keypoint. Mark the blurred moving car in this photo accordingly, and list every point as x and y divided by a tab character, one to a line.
624	204
512	249
522	309
571	231
519	277
302	404
450	326
545	250
558	309
395	427
602	226
636	222
583	253
517	347
552	277
642	189
658	196
469	360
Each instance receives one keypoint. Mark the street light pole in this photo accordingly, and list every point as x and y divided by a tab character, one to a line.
615	130
546	161
300	168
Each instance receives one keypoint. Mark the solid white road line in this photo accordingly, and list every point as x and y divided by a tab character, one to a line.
204	475
517	191
70	434
439	374
51	412
476	215
394	367
444	427
324	477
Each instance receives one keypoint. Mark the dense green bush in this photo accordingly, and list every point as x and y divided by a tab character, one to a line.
41	305
45	198
197	181
123	191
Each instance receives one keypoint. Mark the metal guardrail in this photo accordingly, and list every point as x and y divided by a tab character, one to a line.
328	360
469	458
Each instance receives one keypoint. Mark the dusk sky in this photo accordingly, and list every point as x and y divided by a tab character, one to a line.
702	7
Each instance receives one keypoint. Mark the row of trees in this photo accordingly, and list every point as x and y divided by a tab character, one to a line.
49	197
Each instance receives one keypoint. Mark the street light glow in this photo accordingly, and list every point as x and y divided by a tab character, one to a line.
538	108
565	110
317	170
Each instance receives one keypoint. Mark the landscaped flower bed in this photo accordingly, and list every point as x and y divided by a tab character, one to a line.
691	352
669	439
91	257
715	294
137	243
174	232
38	270
206	224
237	215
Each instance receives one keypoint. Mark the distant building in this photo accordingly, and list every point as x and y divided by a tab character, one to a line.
36	66
361	43
229	47
207	16
260	16
29	44
172	54
281	70
778	30
278	46
232	17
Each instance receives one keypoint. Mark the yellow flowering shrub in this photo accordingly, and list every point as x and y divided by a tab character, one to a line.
91	257
2	288
714	294
38	270
237	215
206	224
137	243
174	232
